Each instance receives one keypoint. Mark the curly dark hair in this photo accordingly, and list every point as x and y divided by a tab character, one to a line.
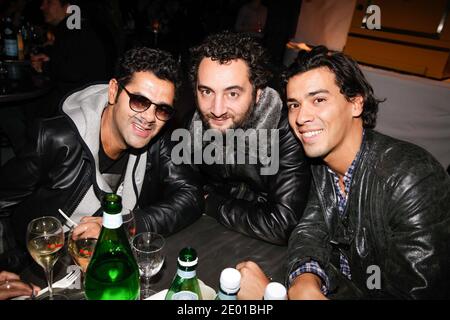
227	46
349	78
160	63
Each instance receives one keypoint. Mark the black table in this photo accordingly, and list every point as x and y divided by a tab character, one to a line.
217	248
21	83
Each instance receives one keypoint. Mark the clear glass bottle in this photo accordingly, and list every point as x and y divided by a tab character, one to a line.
230	283
112	273
185	284
275	291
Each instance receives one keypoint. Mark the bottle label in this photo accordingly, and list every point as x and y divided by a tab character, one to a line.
112	221
185	295
186	274
223	296
10	48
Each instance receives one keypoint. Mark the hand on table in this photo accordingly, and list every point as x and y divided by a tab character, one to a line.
253	281
89	227
11	286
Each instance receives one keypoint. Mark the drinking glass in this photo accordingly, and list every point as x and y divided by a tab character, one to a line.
81	248
45	238
148	250
129	223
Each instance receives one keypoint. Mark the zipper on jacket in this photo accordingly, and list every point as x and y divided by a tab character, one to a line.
82	195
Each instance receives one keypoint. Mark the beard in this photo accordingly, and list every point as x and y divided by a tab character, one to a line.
246	121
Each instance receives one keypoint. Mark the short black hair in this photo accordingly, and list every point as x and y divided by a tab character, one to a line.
349	77
159	62
227	46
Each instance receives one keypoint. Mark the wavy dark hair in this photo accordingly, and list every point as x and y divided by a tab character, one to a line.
349	78
160	63
227	46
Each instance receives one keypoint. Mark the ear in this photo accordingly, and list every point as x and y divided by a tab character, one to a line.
357	106
112	91
258	94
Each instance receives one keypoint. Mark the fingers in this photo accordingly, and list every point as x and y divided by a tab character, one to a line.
98	220
5	275
15	288
253	281
87	230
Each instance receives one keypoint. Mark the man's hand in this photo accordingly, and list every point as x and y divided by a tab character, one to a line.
306	287
88	228
253	281
37	61
11	286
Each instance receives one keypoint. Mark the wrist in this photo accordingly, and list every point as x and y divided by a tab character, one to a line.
306	286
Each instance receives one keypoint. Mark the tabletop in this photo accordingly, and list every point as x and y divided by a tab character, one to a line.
217	247
18	82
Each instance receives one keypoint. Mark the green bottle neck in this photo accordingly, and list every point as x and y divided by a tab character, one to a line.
186	273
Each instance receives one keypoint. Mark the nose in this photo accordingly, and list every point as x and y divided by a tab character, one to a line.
149	114
304	115
218	108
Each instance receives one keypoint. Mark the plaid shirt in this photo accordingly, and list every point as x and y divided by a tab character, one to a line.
313	266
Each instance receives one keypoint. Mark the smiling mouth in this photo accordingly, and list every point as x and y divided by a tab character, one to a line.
310	134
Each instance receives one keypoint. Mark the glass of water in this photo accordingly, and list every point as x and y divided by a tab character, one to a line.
148	250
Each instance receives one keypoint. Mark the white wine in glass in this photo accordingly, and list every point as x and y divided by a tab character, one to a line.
45	239
81	249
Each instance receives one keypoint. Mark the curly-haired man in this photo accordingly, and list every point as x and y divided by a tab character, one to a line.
378	217
109	139
229	75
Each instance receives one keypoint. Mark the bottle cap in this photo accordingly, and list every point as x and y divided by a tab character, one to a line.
275	291
230	280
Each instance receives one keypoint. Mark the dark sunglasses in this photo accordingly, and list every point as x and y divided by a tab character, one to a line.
139	104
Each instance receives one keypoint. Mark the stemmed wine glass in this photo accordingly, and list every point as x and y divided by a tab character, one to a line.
45	239
81	248
148	250
129	223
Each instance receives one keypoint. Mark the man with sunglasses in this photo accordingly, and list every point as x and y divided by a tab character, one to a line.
230	77
109	139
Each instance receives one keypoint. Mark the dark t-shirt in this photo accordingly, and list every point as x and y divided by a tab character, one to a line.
112	171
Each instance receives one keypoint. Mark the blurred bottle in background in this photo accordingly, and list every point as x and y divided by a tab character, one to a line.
9	37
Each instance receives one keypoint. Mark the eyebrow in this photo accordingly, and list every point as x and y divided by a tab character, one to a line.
313	93
201	86
309	94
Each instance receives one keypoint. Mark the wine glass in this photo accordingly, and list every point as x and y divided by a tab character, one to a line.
45	238
129	223
147	248
81	248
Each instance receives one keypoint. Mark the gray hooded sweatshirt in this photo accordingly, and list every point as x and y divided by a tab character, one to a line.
85	108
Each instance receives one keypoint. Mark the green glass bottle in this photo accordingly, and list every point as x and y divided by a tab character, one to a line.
185	285
113	273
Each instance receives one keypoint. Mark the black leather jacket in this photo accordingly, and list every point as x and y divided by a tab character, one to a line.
397	218
56	171
267	207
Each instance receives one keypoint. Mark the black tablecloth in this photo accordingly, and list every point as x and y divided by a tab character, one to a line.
217	248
